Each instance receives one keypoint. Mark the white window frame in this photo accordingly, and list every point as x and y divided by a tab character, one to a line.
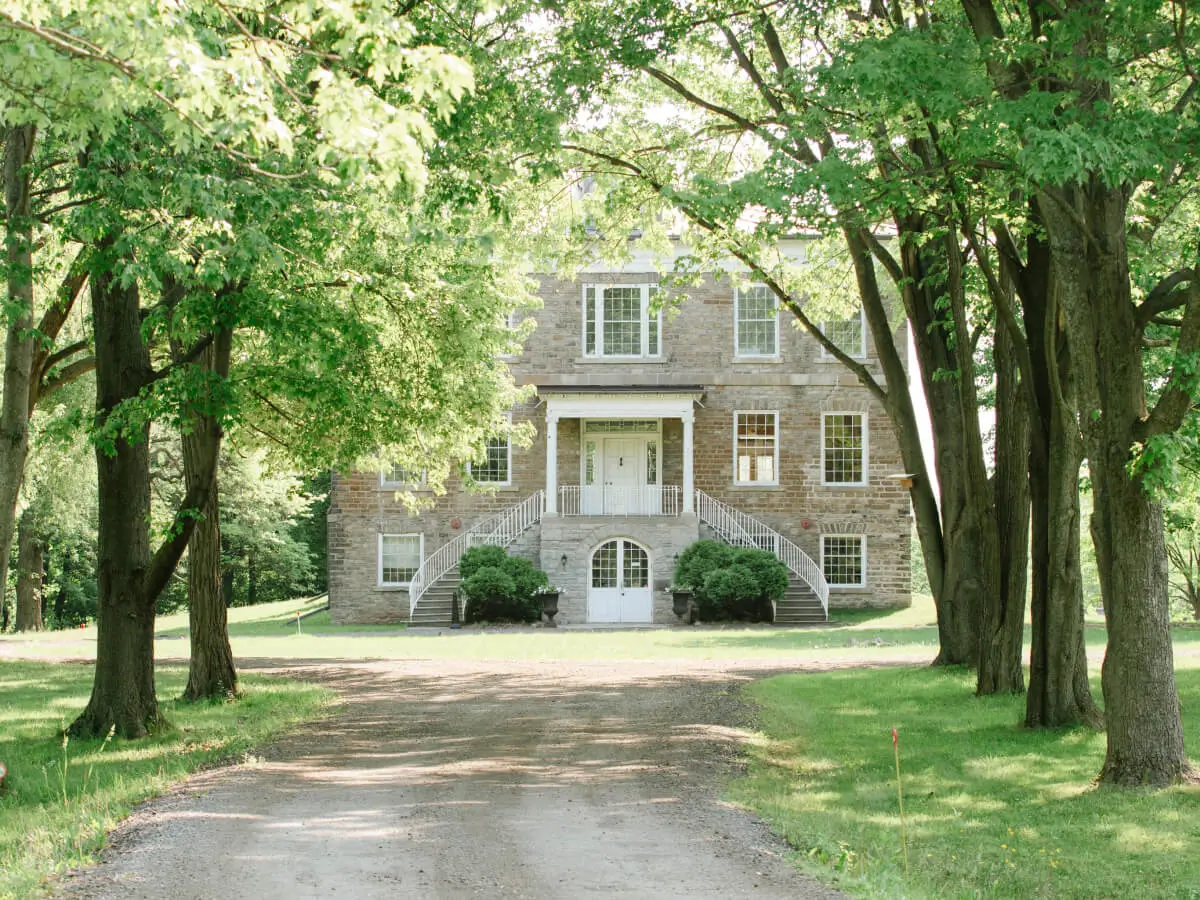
420	536
862	550
598	353
738	352
862	332
866	446
775	463
389	484
508	443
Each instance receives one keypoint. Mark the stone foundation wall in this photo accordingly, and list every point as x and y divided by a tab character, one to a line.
576	538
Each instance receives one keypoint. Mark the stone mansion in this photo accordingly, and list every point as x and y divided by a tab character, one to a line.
722	420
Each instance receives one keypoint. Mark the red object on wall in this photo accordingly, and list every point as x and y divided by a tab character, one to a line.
804	523
455	524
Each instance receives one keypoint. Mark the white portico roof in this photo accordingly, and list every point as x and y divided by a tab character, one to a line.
621	401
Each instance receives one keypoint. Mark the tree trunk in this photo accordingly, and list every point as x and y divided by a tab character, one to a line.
64	581
1002	632
123	694
211	672
1059	692
251	579
1085	226
970	546
30	574
20	345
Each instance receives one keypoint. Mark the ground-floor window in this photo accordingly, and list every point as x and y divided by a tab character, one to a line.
843	559
399	558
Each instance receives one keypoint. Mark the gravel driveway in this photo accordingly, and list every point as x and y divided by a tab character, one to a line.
447	780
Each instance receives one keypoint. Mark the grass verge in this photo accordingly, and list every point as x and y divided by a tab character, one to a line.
62	798
992	810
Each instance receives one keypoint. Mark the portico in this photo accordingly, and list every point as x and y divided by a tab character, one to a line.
621	452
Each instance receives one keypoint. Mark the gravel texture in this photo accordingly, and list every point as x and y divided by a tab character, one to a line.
449	780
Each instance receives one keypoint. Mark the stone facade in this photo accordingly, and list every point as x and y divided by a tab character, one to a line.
800	385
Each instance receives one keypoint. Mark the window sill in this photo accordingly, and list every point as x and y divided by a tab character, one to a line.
757	360
849	588
399	486
391	588
620	360
753	486
488	487
856	485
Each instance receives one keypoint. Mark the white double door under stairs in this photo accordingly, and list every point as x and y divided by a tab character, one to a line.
620	477
619	583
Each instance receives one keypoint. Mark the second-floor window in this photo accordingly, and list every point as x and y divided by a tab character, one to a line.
756	448
619	320
755	322
844	448
398	476
496	465
849	335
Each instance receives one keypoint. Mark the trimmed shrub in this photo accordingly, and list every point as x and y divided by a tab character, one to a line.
735	592
492	594
770	572
476	558
698	560
731	582
528	578
500	588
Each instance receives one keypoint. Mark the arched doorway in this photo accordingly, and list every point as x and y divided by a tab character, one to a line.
619	583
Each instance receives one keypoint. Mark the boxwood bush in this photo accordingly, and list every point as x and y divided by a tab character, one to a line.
499	587
731	582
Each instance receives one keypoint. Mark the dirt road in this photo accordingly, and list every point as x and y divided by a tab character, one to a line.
455	780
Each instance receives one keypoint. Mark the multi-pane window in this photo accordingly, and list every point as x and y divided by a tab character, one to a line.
619	320
756	322
652	462
843	560
496	465
398	475
756	448
636	572
399	558
604	566
849	334
843	448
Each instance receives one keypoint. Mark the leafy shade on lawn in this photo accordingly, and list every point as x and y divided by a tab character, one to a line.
61	799
992	810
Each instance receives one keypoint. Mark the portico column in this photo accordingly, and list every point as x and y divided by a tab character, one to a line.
551	465
689	481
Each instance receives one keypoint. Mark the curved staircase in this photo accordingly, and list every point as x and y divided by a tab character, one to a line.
434	586
807	599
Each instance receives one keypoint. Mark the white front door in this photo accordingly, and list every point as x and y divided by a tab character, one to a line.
624	467
619	583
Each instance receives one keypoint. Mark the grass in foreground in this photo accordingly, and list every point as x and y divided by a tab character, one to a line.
61	799
992	810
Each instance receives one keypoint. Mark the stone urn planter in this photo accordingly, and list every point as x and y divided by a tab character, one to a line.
549	606
681	604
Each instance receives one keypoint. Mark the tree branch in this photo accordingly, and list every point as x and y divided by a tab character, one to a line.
1176	399
166	557
1163	297
64	377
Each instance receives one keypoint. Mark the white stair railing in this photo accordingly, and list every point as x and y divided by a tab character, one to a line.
735	527
501	529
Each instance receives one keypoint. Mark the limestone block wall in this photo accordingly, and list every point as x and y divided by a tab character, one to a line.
577	537
698	349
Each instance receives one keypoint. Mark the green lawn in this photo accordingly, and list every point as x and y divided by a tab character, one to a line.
268	631
992	810
61	798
